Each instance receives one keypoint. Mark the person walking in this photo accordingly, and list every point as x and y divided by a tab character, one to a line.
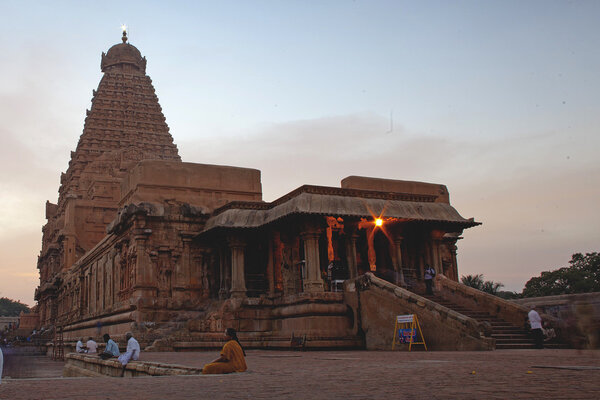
535	322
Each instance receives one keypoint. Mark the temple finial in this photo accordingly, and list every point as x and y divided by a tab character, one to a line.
124	38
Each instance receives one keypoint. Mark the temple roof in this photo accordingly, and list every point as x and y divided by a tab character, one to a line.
337	202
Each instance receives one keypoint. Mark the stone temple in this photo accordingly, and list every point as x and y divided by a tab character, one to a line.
176	252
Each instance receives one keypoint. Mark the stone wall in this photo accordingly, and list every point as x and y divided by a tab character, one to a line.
377	303
578	313
86	365
397	186
322	318
204	185
476	299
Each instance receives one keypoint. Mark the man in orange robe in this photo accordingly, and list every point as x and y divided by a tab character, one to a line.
232	357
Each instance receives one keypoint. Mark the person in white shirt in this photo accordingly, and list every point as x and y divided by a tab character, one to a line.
79	346
132	352
429	274
535	321
1	364
92	346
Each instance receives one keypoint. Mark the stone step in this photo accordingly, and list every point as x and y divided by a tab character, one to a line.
510	336
514	340
509	327
274	343
514	346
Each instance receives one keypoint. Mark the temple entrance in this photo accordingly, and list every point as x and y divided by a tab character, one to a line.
333	260
256	258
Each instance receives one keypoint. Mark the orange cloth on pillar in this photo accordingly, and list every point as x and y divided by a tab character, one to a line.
236	362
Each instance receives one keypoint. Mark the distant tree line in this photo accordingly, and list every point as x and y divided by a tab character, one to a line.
581	276
12	308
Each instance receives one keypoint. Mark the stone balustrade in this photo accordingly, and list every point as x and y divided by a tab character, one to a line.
87	365
376	303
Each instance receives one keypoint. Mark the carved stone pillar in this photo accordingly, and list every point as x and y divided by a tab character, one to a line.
450	243
93	287
313	282
270	269
351	255
238	279
82	292
182	270
436	253
223	268
398	262
145	276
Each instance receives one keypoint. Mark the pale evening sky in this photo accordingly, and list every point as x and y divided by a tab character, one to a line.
497	100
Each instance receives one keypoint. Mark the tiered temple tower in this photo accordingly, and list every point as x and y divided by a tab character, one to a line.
124	126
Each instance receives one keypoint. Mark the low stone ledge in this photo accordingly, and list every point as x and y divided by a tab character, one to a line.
87	365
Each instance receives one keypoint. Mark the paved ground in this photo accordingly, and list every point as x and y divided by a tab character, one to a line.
507	374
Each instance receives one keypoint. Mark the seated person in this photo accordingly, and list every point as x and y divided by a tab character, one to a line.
92	346
111	350
132	352
79	346
232	357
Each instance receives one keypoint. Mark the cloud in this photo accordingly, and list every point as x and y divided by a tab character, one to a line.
537	204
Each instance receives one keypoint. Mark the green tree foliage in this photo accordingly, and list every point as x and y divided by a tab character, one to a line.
12	308
474	281
582	276
477	282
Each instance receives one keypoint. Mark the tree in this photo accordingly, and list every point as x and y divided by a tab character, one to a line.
477	282
12	308
582	276
474	281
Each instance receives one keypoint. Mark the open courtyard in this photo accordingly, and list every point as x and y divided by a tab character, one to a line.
507	374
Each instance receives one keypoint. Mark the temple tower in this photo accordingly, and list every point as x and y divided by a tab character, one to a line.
124	126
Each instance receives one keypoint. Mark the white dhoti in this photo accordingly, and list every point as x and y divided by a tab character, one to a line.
126	357
132	353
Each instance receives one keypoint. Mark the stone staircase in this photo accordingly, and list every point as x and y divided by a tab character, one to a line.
507	336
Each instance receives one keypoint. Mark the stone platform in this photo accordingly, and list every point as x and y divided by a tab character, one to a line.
514	374
94	366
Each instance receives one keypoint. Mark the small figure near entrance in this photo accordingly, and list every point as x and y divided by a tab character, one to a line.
232	357
111	350
428	276
535	321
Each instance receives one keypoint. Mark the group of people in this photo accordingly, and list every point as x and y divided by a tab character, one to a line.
231	359
112	349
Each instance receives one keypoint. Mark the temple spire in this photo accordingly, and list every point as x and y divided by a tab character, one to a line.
124	38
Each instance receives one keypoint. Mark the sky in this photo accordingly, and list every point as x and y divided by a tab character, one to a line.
498	100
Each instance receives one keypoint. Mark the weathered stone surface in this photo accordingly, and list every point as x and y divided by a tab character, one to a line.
87	365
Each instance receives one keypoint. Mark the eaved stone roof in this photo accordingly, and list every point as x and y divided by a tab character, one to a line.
338	202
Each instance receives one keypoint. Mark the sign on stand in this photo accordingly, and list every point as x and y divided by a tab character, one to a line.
407	331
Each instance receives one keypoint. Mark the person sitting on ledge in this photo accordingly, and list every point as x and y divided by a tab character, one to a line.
92	346
132	352
79	346
111	350
232	357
